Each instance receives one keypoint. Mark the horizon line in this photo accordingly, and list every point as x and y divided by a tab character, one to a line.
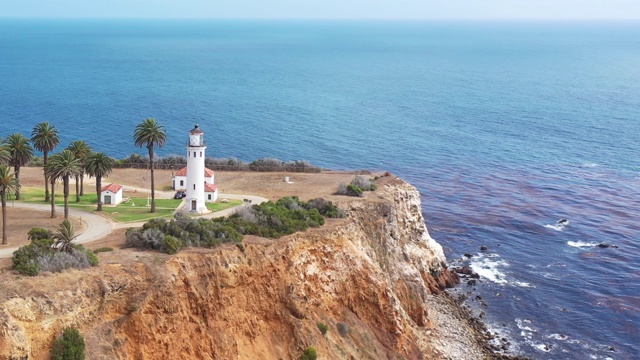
479	19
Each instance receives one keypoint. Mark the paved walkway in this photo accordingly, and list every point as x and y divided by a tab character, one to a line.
97	227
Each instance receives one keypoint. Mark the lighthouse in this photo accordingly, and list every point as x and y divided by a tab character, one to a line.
195	189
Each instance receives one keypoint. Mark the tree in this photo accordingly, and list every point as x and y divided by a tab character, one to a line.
8	185
52	178
20	153
80	150
99	165
150	134
4	155
69	346
45	138
64	165
64	235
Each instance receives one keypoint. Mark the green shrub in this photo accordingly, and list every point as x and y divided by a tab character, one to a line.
69	346
322	327
102	249
40	255
309	354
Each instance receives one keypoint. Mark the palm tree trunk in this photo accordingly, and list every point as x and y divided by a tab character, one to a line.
82	184
77	189
53	198
16	170
65	181
98	188
153	189
4	217
46	177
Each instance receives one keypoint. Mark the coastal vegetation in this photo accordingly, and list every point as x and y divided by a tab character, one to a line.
228	164
357	187
150	134
269	219
98	165
69	346
8	185
80	150
52	251
45	138
20	153
63	165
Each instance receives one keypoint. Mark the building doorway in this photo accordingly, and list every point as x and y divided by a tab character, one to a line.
107	199
193	205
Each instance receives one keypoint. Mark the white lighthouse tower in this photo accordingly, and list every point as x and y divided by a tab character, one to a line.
195	199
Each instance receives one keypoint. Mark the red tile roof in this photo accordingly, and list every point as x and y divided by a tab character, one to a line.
114	188
183	172
210	188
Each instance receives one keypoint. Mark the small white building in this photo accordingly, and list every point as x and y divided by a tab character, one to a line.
179	179
111	194
211	192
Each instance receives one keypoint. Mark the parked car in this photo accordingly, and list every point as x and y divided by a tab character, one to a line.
179	194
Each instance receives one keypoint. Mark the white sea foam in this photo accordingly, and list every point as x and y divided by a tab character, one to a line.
590	165
580	244
556	227
490	268
541	347
524	284
557	337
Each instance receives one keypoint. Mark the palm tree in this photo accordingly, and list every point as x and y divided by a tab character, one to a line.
150	134
64	165
4	156
20	153
64	235
99	165
45	138
80	150
8	185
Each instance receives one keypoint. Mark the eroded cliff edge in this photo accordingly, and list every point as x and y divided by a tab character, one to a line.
370	277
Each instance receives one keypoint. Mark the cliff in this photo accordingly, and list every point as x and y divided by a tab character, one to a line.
371	278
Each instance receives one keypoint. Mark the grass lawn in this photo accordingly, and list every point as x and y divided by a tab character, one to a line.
133	210
221	206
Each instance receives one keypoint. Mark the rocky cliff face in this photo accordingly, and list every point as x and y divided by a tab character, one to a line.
367	277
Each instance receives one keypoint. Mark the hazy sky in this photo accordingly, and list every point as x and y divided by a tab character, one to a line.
355	9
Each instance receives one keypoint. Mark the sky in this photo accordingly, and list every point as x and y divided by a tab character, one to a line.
326	9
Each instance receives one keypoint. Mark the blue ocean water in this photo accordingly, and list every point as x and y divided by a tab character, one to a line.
504	128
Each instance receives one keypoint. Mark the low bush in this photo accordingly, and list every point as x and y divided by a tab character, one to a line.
309	354
343	330
322	327
69	346
41	255
102	249
269	219
357	186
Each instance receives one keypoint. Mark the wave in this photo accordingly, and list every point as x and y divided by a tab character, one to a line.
490	269
580	244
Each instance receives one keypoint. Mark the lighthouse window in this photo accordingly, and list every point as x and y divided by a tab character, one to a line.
200	153
189	153
194	186
181	182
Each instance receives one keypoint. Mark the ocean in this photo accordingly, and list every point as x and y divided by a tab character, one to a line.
504	127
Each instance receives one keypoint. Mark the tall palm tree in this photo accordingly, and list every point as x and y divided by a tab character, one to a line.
8	185
99	165
45	138
64	165
52	179
150	134
80	150
64	235
20	153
